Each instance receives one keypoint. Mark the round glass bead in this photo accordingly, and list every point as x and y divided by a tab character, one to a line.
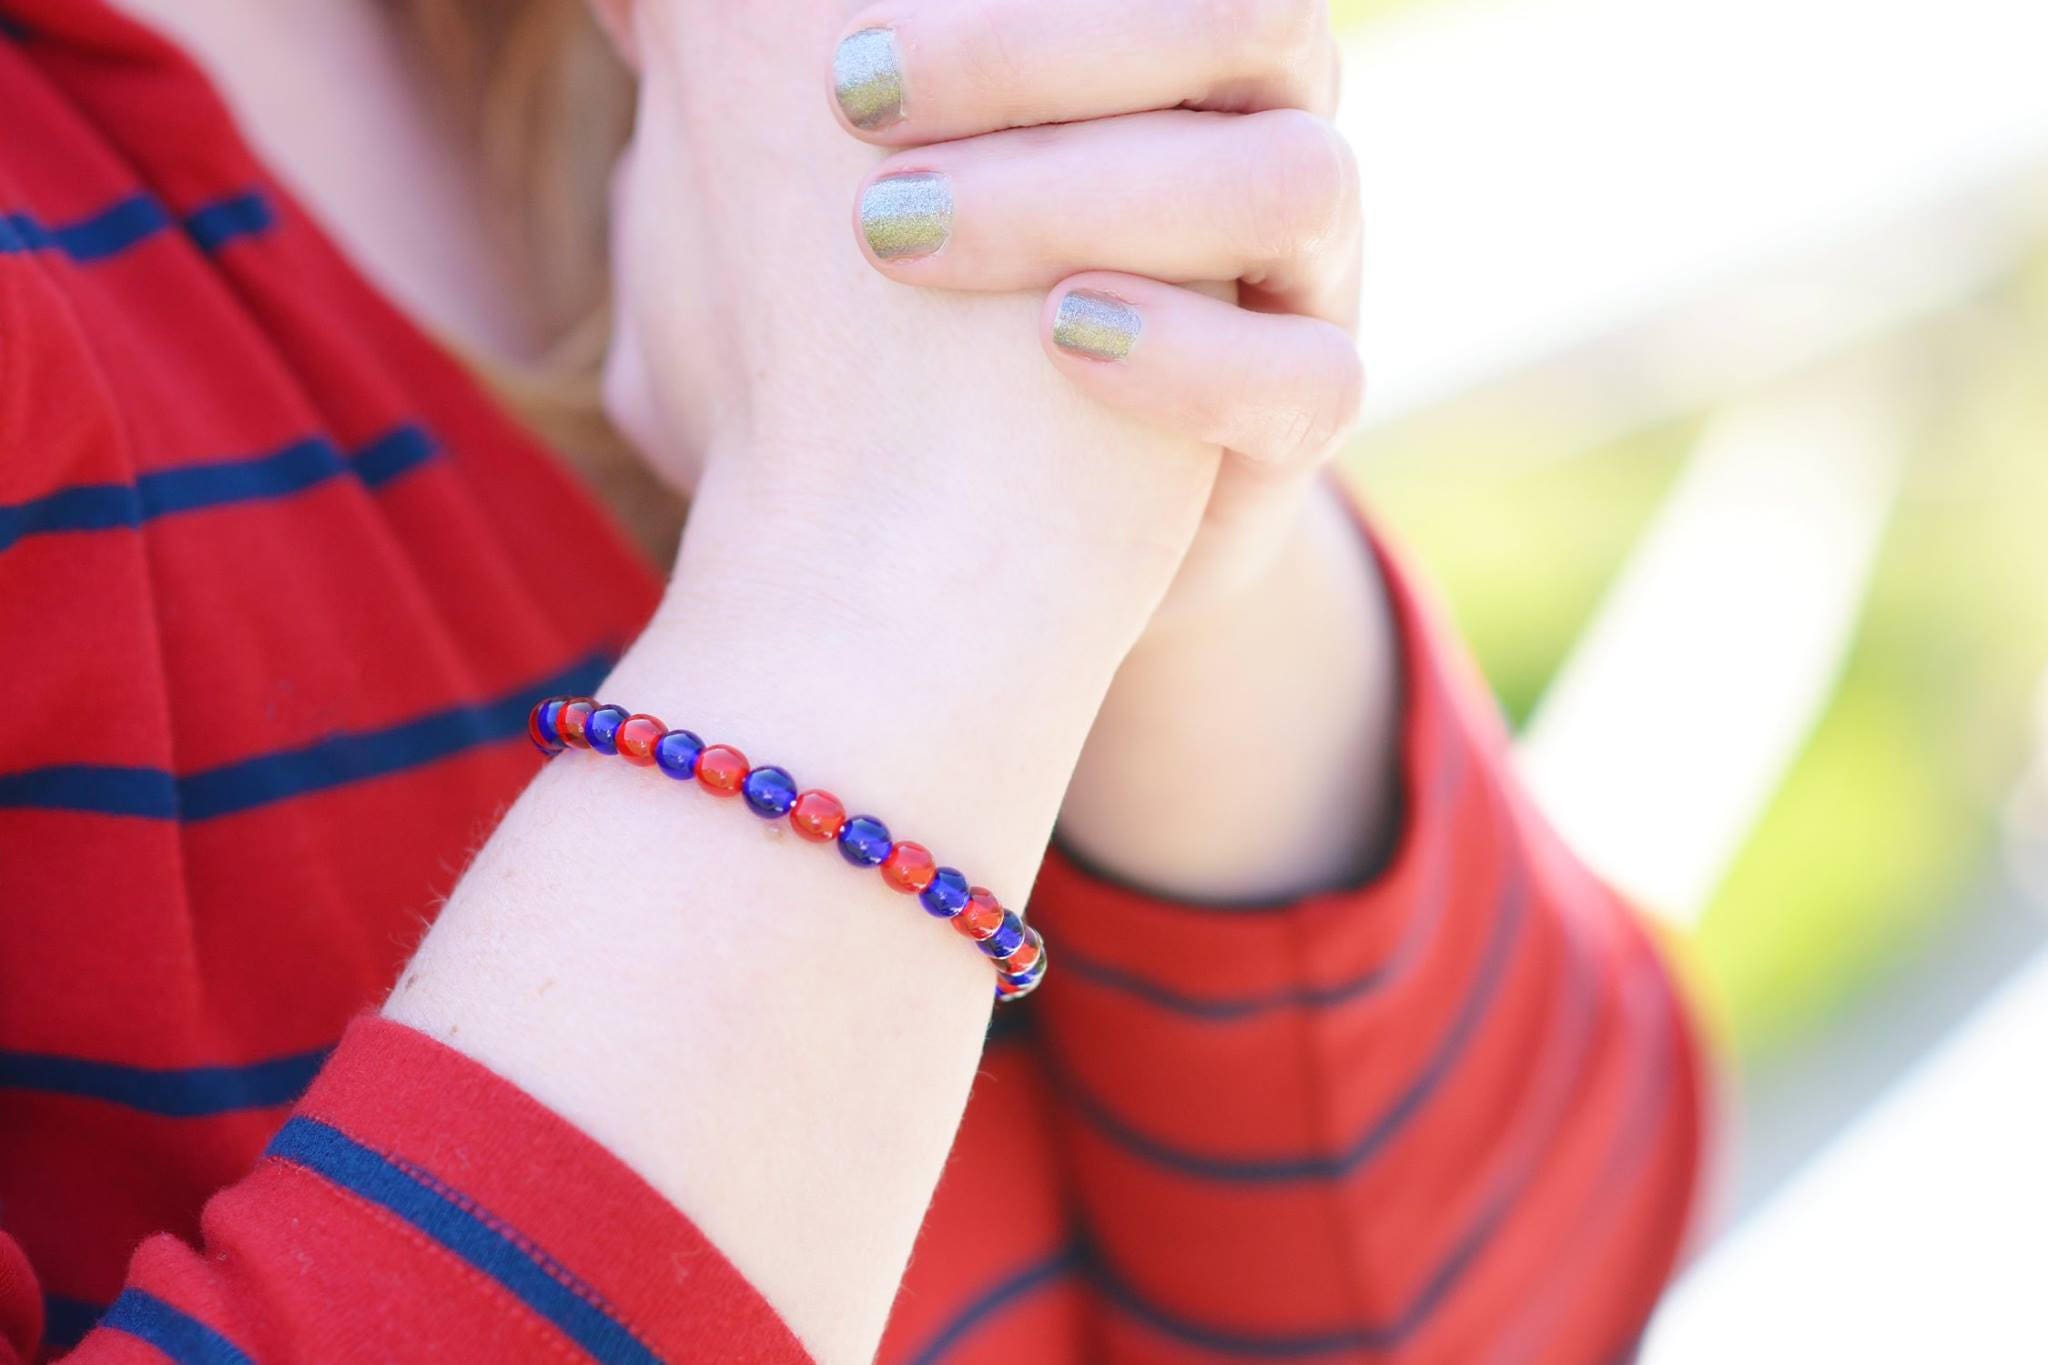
982	916
1007	938
675	753
769	792
1016	985
540	726
817	816
569	721
602	728
909	868
722	768
864	841
947	894
1029	954
1028	976
636	740
1012	991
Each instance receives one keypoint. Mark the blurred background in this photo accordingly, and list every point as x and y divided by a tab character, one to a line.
1710	360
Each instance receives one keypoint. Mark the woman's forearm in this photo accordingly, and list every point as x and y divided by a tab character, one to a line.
780	1045
1250	755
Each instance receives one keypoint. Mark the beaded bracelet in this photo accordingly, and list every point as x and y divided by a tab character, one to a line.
818	816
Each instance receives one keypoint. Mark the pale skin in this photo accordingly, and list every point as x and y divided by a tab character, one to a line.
935	563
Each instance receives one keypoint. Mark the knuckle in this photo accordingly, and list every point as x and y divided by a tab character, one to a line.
1309	178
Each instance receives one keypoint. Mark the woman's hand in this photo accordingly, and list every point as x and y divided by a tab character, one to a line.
1105	157
915	443
916	557
1165	175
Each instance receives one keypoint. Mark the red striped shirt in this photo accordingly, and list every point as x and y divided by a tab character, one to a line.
276	588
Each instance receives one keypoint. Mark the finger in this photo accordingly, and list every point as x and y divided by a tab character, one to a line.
1270	200
917	71
1279	390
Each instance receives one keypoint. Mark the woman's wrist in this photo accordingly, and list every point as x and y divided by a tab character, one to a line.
711	998
962	738
1269	725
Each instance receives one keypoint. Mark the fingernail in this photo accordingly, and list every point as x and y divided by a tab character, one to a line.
868	76
906	216
1095	325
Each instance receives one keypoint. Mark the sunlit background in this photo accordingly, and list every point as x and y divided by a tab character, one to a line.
1710	347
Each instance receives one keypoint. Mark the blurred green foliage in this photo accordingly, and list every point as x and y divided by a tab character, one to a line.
1880	834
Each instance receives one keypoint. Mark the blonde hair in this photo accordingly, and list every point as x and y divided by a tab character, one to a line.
546	105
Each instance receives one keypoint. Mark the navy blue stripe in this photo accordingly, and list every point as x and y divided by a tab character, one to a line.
177	1334
1345	1341
1493	965
998	1297
541	1284
187	1092
131	221
167	492
66	1321
153	794
1626	1153
99	789
243	215
107	233
392	454
1233	1009
13	28
1348	1341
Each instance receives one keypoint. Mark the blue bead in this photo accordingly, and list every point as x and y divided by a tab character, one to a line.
769	792
864	841
602	729
946	896
675	753
1029	976
1007	938
540	726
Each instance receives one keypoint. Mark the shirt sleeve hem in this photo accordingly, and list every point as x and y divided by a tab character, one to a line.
556	1222
1451	739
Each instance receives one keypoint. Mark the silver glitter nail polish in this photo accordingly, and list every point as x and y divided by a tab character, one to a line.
1096	325
868	76
907	216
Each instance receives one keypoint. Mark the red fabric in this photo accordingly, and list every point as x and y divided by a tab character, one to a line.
276	586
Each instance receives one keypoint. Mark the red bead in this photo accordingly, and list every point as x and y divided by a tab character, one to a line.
982	917
722	769
909	868
818	816
1024	959
570	726
637	738
543	740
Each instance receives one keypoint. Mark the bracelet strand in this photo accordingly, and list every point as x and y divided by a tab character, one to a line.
817	816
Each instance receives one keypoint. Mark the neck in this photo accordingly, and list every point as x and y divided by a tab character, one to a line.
325	92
